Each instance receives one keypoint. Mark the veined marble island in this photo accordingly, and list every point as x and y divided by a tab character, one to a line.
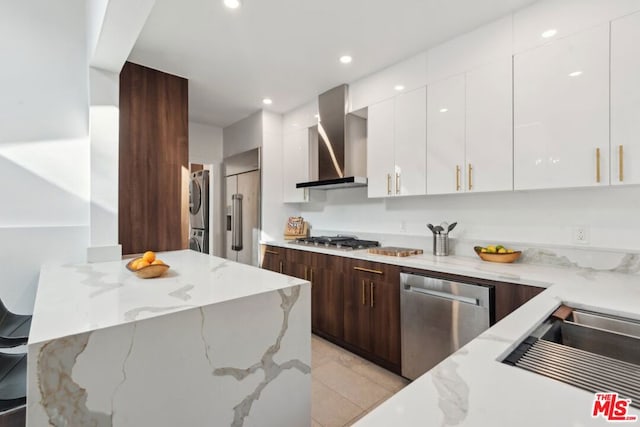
210	343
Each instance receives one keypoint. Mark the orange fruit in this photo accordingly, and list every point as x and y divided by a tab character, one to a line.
141	264
157	262
134	264
149	256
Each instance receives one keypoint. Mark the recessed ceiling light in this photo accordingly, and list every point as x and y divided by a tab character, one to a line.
267	101
444	110
575	73
232	4
346	59
399	88
549	33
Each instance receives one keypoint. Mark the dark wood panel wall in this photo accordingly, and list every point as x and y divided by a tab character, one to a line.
154	170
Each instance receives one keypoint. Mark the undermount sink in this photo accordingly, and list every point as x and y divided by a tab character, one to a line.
592	351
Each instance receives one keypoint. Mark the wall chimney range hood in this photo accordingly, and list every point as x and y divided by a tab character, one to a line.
340	156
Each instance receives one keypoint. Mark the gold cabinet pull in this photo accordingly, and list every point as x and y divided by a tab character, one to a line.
367	270
457	178
621	163
389	184
363	293
371	290
269	251
311	276
470	180
597	165
280	267
397	183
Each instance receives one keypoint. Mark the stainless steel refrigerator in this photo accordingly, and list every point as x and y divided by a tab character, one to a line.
242	197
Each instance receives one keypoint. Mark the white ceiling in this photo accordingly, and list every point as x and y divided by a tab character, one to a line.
288	50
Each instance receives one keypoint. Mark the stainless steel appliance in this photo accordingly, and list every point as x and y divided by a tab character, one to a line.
199	210
243	207
438	317
199	240
338	242
338	144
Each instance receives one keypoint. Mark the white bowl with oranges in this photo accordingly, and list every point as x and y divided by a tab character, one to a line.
147	266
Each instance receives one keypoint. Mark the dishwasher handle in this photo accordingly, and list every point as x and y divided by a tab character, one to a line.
445	295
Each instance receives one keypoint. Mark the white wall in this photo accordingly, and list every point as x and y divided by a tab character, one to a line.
44	145
541	217
205	147
205	143
243	135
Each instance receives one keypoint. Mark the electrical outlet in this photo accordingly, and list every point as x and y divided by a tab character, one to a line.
581	234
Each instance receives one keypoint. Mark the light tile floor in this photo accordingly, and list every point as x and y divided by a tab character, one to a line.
345	387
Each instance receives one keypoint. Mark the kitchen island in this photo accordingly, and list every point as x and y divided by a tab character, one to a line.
211	342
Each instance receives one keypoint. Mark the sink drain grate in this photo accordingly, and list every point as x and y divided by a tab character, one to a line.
582	369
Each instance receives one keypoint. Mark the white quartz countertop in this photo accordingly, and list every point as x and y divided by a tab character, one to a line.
72	299
472	387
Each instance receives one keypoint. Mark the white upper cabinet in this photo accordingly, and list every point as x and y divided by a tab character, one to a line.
411	143
471	50
380	148
406	75
547	21
446	136
625	100
295	150
489	130
396	147
561	113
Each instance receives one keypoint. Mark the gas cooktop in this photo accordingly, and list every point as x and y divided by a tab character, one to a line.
338	242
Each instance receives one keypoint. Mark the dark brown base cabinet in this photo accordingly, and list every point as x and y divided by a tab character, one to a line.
356	304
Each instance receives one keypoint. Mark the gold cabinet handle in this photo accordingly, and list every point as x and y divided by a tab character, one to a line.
371	290
280	267
367	270
311	276
269	251
470	180
397	183
457	178
363	293
389	184
621	163
597	165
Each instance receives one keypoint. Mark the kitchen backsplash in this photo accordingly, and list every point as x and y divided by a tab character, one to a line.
627	262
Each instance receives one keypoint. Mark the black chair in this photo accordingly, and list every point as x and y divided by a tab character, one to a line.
14	328
13	381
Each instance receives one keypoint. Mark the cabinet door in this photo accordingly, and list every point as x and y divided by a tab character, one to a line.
273	258
357	315
385	318
625	100
561	113
380	142
489	141
295	161
445	136
411	143
327	301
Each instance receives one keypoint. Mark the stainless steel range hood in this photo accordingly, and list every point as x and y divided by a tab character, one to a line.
339	161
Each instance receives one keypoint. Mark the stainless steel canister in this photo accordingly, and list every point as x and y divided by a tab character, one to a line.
441	244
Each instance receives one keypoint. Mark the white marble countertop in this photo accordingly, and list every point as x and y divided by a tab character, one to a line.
72	299
472	387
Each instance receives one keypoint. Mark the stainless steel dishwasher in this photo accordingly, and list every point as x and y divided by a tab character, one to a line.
438	317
